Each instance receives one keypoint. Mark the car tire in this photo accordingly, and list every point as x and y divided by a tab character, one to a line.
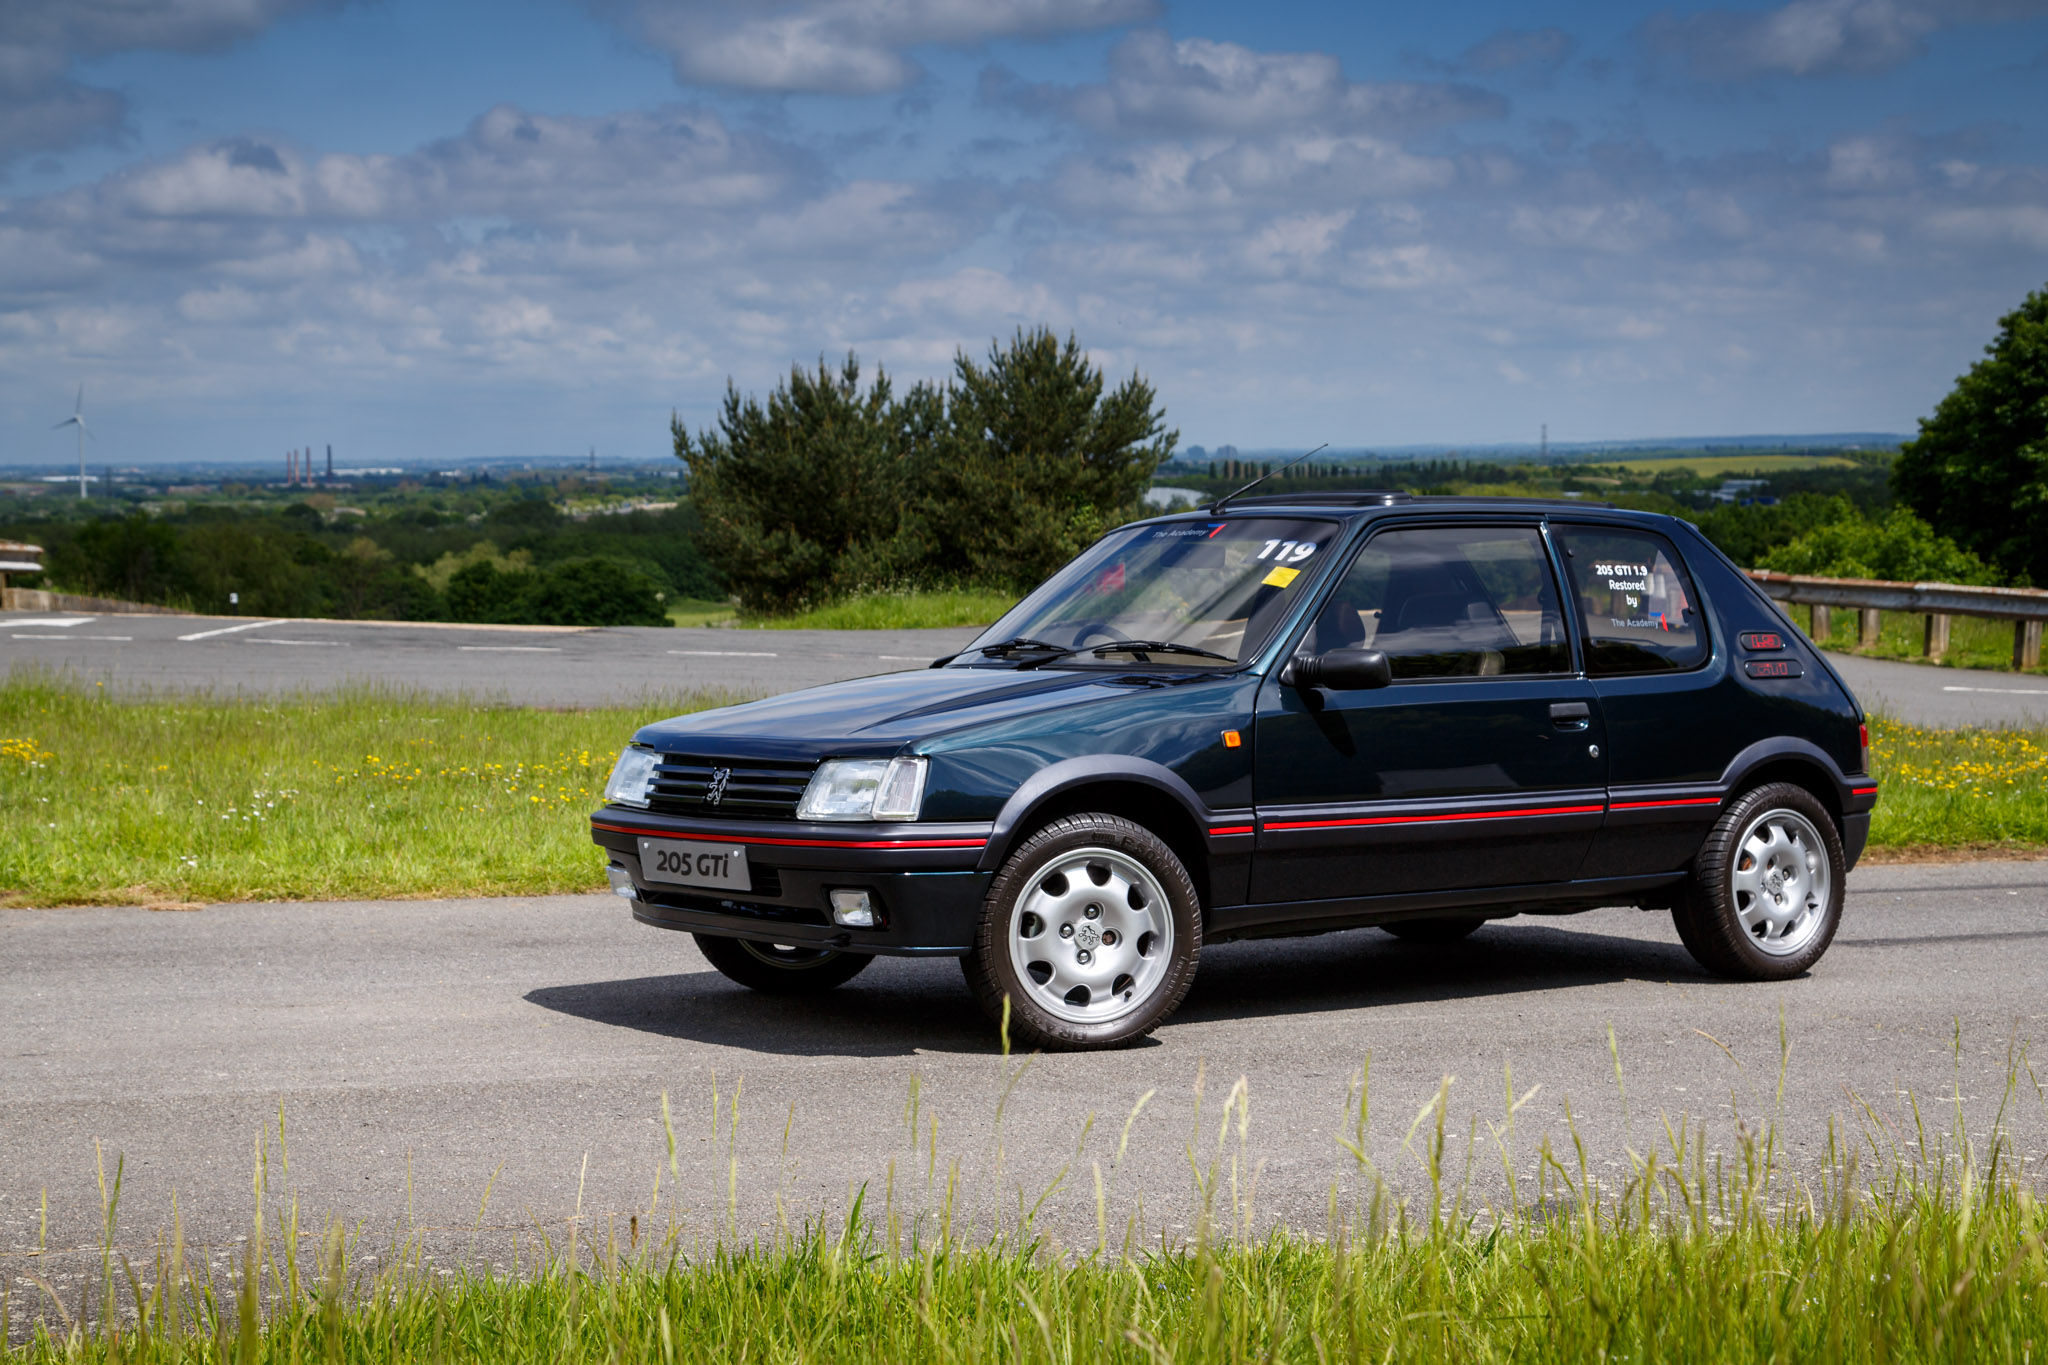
1765	895
1091	931
776	969
1445	930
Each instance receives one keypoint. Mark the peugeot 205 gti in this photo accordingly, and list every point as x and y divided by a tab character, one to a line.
1290	715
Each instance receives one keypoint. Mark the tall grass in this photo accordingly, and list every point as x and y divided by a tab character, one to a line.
1905	1240
371	792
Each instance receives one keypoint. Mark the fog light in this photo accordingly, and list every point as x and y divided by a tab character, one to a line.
622	882
853	910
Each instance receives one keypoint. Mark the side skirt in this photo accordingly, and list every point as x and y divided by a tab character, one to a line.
1495	902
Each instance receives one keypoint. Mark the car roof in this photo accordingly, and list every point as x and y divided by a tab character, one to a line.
1379	502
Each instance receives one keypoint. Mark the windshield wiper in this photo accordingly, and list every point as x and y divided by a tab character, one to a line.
1157	647
1004	648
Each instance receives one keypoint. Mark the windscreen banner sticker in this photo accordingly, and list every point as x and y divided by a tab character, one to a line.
1281	577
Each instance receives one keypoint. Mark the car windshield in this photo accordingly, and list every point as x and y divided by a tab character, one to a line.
1180	594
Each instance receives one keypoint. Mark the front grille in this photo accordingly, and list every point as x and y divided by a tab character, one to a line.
756	789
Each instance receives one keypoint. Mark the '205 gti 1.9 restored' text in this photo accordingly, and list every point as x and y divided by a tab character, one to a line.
1283	716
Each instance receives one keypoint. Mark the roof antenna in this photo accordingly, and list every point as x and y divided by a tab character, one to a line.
1216	507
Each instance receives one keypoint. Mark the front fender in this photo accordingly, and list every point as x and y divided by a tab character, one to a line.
1016	819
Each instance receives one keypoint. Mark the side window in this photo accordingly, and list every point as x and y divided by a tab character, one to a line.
1637	604
1450	602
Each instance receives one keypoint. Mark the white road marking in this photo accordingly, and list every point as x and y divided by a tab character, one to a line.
74	637
727	653
273	640
904	658
53	621
2007	691
510	649
230	630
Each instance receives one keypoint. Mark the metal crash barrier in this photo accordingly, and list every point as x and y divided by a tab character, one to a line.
1939	603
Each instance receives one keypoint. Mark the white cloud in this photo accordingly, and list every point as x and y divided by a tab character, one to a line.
848	47
1820	37
1193	86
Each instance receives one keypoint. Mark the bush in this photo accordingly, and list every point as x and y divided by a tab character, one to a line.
595	592
1901	548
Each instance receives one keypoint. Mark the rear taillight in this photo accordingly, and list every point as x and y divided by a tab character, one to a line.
1864	731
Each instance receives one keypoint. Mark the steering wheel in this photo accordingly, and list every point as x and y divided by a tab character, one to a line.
1088	632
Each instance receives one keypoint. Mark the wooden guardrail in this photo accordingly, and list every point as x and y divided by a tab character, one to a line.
2026	608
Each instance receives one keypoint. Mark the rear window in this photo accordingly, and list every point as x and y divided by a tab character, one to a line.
1636	603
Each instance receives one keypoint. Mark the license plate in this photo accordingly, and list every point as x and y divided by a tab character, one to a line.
692	864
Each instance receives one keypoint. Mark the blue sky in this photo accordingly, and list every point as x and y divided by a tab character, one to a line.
525	227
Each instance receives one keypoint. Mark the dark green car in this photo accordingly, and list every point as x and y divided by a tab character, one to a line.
1302	714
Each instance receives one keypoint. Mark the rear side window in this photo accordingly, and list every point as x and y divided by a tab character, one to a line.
1638	606
1450	602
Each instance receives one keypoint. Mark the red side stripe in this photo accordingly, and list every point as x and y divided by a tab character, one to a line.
1686	801
1862	791
791	843
1231	829
1431	819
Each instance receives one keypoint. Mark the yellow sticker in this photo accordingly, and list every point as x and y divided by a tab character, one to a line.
1281	577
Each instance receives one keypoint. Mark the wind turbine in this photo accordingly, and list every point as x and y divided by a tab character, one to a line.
77	419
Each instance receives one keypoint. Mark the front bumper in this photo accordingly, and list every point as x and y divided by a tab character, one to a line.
922	876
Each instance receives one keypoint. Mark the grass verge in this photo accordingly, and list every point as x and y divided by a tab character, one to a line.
366	793
377	793
950	608
1958	788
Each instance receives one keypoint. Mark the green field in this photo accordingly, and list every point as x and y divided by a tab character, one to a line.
370	793
1733	465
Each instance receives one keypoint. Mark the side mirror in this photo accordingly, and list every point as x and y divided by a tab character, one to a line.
1340	670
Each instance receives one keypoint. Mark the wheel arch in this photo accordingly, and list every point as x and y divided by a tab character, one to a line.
1148	794
1796	761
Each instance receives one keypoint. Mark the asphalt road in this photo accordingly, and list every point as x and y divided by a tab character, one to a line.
570	667
524	664
415	1049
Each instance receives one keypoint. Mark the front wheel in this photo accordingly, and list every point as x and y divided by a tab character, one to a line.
1766	892
775	969
1091	931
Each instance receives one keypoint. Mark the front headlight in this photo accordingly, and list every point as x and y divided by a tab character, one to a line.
864	789
631	776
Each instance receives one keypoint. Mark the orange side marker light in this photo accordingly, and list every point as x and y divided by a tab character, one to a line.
1232	739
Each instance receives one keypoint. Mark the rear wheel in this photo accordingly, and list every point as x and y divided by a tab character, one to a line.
1448	930
1766	892
1091	931
779	969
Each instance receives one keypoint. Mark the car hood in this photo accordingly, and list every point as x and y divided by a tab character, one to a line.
879	715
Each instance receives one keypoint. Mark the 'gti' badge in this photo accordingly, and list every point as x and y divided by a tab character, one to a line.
714	792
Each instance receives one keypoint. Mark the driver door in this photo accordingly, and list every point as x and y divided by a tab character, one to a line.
1481	765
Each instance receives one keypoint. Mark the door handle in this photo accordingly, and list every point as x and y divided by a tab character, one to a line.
1570	715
